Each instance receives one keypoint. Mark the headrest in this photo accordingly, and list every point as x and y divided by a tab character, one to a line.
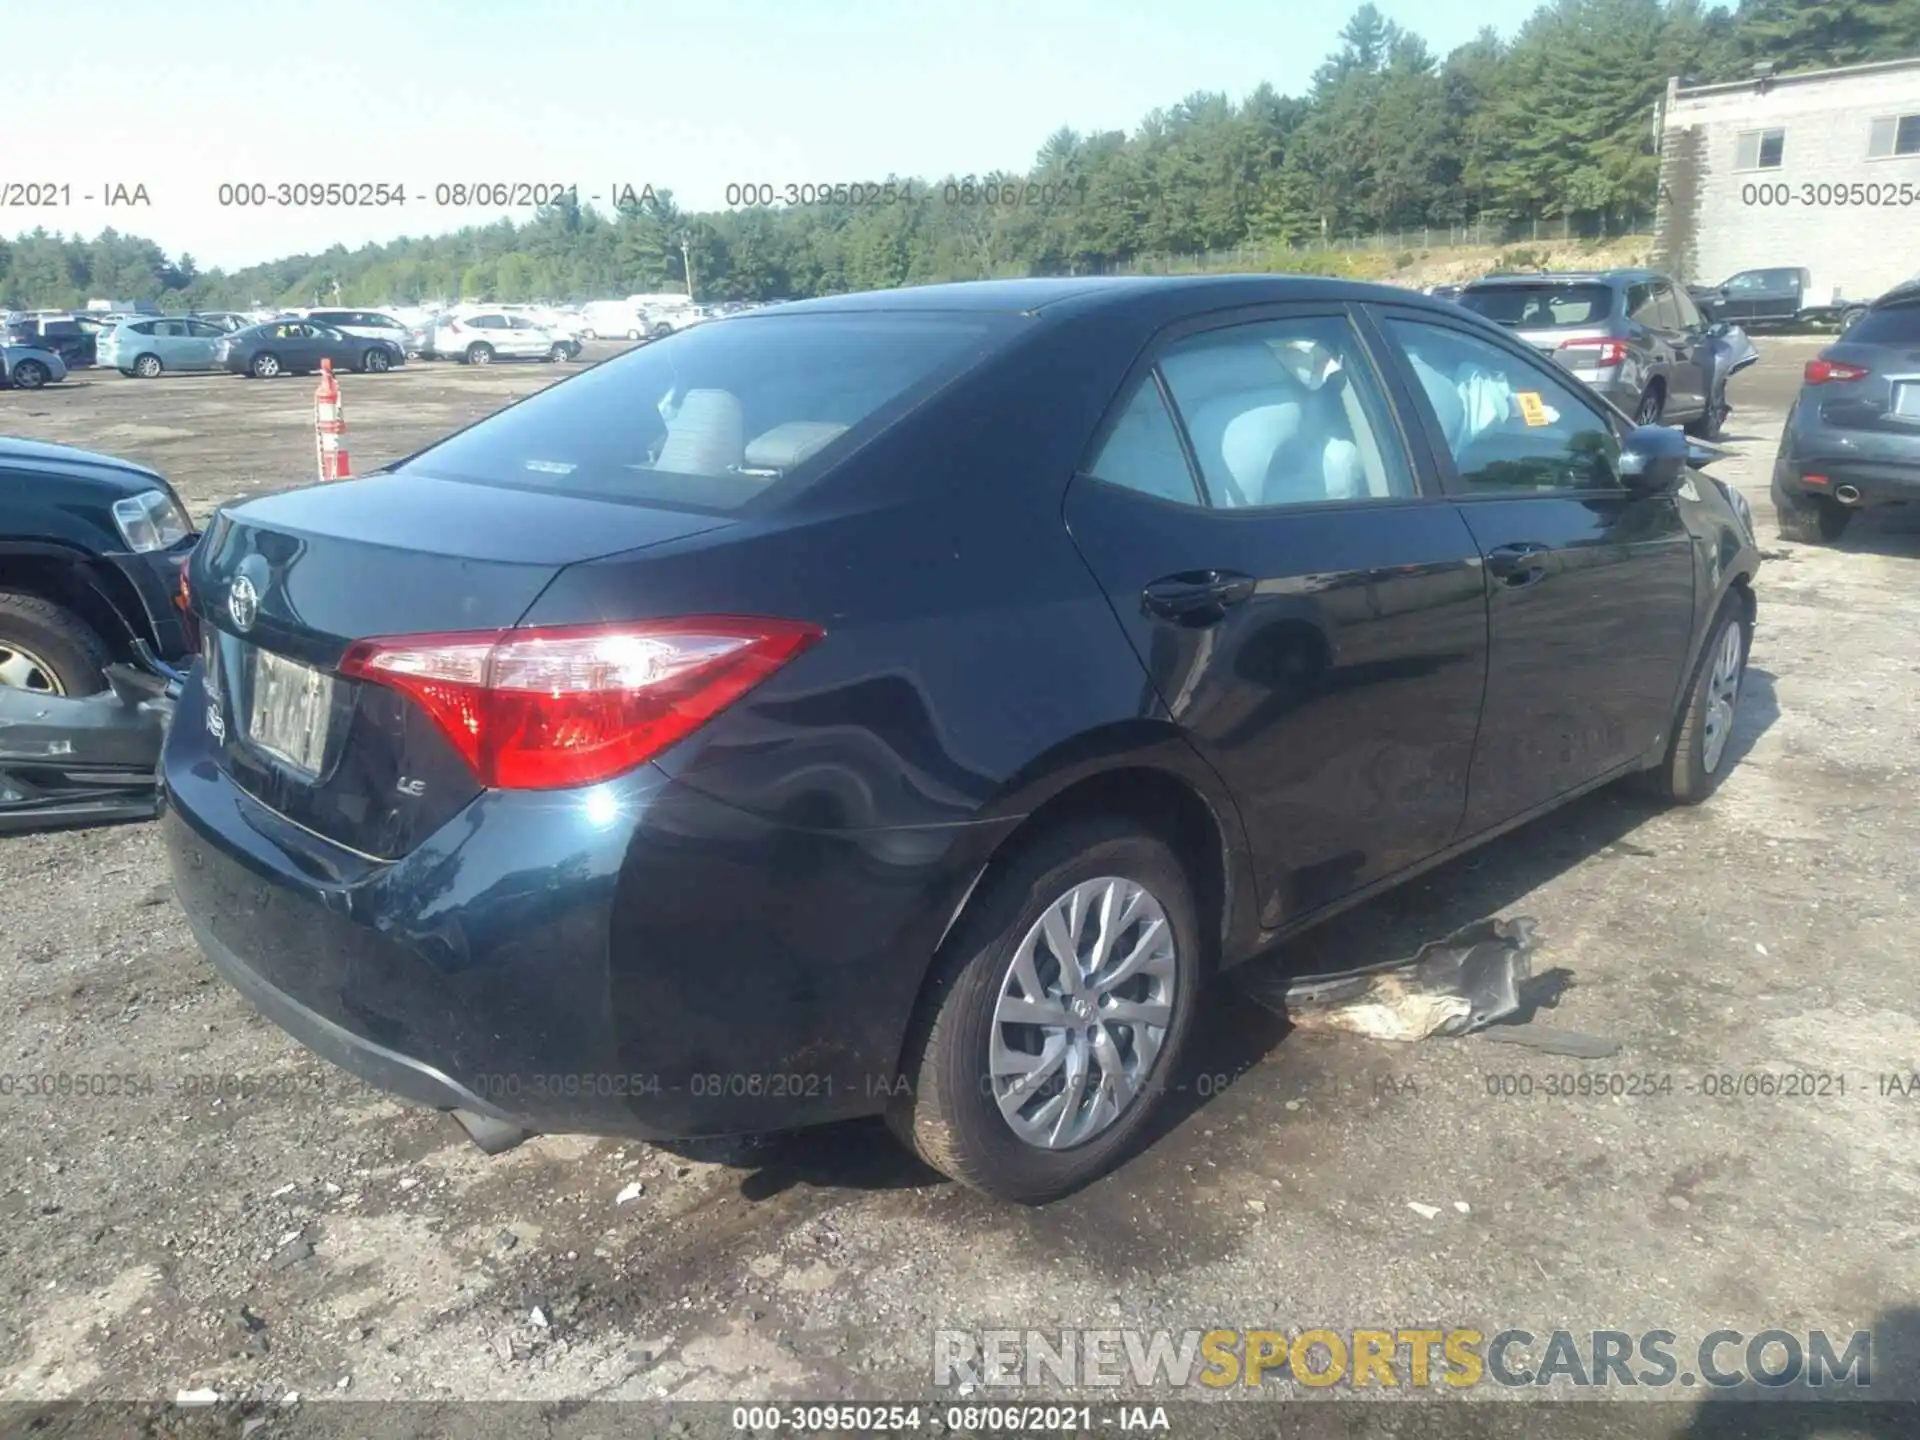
785	446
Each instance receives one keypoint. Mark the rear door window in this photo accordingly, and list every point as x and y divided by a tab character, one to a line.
723	414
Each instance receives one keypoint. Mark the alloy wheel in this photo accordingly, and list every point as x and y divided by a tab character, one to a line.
1649	412
1723	696
1083	1013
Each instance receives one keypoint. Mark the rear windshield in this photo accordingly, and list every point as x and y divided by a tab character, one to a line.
710	418
1892	325
1541	307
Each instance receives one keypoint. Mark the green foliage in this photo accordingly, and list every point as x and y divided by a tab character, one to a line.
1554	124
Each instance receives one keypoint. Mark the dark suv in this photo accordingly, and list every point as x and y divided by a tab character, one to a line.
91	548
1633	335
74	341
1852	439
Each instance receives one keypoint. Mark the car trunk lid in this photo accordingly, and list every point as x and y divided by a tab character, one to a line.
286	583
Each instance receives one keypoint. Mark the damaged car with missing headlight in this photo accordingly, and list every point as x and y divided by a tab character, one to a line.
92	550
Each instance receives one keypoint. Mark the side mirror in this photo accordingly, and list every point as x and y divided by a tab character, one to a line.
1653	459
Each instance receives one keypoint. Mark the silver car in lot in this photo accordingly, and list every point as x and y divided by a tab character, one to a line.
151	347
480	338
28	367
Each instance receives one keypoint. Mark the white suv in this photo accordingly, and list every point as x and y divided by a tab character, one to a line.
481	337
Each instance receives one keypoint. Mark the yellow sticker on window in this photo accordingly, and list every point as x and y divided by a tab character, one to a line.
1532	408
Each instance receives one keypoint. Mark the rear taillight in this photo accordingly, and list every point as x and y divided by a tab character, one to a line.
1605	352
189	622
1822	371
541	709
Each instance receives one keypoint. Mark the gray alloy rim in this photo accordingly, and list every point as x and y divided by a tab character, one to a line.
1083	1013
266	366
146	367
23	670
1649	408
29	375
479	355
377	360
1723	694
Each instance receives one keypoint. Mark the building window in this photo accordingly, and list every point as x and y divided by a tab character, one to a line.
1759	149
1894	135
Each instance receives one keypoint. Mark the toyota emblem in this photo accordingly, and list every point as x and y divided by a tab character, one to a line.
243	603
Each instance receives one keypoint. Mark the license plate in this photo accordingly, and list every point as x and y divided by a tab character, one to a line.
291	710
1906	400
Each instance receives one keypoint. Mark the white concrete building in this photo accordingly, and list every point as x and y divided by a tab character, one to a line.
1819	169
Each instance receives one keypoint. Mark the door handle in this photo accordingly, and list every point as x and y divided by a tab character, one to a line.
1517	566
1196	596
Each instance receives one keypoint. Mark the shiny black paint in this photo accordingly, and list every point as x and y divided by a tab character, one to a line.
56	524
764	900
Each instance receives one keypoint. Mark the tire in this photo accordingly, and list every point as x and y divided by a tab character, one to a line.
557	354
660	331
1696	759
589	334
148	367
376	361
40	638
264	366
1709	425
1810	519
1653	402
635	335
30	375
946	1110
479	353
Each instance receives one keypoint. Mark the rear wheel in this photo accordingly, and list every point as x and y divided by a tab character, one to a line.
147	367
1810	519
589	334
1697	757
479	353
1652	402
48	649
1057	1009
634	335
265	365
31	374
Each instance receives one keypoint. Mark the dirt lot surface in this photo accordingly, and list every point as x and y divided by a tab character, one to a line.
215	1208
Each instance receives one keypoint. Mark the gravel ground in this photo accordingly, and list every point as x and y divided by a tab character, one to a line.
215	1208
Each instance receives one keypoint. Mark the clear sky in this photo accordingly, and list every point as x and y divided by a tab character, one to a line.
183	96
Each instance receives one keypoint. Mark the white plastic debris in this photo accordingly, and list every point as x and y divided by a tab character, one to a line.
1425	1212
197	1397
407	1182
628	1193
539	1317
1758	946
1463	1207
286	1189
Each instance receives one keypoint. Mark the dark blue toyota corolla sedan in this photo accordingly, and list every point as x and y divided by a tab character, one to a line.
902	703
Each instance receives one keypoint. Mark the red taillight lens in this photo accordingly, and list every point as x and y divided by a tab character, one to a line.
1606	352
541	709
1822	371
183	600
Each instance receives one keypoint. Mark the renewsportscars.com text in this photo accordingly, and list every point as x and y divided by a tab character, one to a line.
1403	1358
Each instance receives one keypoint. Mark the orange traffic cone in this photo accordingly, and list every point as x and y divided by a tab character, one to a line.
329	426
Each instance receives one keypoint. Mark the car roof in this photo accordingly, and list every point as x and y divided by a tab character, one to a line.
1106	292
1907	292
1568	277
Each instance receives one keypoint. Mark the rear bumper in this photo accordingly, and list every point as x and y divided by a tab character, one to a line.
1865	483
640	960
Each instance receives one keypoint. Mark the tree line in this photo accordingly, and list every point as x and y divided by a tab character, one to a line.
1556	122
